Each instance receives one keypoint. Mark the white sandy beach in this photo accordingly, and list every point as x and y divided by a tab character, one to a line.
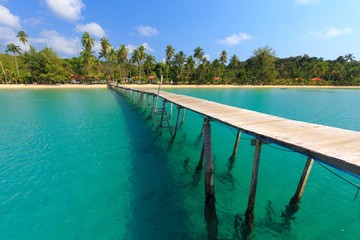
94	86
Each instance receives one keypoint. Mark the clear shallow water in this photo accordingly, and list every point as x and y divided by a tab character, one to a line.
85	164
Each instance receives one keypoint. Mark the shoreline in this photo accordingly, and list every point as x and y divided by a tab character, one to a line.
41	86
102	86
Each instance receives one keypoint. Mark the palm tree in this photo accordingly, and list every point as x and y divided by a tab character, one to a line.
223	57
11	47
87	53
190	65
149	63
198	55
104	51
113	59
2	68
122	55
169	55
179	61
142	56
23	37
135	58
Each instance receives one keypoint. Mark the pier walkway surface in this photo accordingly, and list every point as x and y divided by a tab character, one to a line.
334	146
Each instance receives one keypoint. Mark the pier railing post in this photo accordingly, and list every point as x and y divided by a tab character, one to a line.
249	214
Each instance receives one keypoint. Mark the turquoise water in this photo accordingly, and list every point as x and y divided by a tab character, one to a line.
86	164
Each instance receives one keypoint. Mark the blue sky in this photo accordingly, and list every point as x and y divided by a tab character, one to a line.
321	28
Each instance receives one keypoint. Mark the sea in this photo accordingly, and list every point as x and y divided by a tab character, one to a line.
92	164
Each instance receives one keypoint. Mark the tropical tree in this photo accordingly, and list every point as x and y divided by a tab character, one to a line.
11	47
190	66
149	64
23	37
122	55
169	55
87	54
223	57
142	56
112	58
179	61
104	51
262	66
3	70
198	55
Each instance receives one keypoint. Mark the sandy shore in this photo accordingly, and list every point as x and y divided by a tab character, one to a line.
230	86
39	86
80	86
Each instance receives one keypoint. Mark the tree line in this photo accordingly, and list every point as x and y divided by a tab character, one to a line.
29	65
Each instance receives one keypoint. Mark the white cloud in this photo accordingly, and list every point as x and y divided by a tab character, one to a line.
92	28
234	39
67	9
305	2
8	34
330	32
147	31
33	22
58	42
9	19
133	47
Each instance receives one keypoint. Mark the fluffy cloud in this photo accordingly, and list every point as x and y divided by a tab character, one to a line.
234	39
305	2
92	28
8	35
33	22
8	19
67	9
147	31
133	47
330	32
59	43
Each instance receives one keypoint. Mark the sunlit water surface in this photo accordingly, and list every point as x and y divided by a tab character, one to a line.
86	164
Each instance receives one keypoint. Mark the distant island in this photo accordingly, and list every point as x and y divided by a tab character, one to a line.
32	66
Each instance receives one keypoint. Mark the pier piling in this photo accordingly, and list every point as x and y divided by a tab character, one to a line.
249	214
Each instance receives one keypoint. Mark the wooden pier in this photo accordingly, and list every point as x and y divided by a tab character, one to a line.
337	147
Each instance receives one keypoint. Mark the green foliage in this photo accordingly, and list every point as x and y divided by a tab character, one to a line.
262	68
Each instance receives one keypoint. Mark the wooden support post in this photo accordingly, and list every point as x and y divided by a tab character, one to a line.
209	165
249	214
177	121
171	105
303	180
183	116
210	208
236	145
162	114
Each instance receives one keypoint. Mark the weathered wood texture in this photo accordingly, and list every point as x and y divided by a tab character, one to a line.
334	146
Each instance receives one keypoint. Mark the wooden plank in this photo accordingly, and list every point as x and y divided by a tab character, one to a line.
334	146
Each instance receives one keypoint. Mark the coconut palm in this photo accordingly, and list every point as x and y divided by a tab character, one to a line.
11	47
149	63
3	70
87	53
198	55
23	37
112	57
142	56
190	65
104	51
122	55
169	55
223	57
